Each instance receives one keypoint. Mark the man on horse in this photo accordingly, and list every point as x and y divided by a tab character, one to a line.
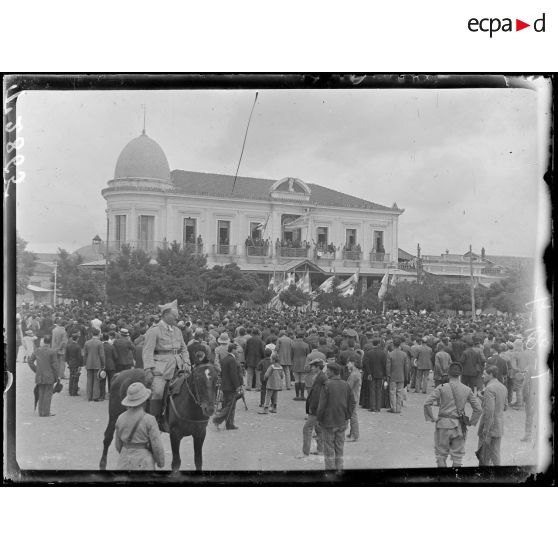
164	354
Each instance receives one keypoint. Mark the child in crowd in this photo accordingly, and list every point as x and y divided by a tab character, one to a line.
261	369
274	382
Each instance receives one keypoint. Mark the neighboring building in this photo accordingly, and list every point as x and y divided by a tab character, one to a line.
265	226
456	268
40	289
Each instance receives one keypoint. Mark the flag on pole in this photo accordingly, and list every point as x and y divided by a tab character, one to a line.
298	223
383	286
304	283
352	281
271	285
326	286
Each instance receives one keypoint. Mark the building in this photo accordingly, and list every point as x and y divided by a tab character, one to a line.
40	289
264	226
456	268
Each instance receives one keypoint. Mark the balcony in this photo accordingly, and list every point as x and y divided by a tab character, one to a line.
257	251
379	259
224	250
193	248
354	255
323	256
285	252
148	246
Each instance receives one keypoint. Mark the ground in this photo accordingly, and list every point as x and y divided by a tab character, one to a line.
72	439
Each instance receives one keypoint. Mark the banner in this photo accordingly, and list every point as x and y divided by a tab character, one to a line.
383	286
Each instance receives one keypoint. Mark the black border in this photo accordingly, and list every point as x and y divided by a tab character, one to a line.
501	476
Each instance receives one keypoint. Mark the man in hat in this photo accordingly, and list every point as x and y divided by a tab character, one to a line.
316	371
164	353
94	359
491	425
74	360
59	341
451	397
334	411
44	362
124	351
221	351
231	386
284	348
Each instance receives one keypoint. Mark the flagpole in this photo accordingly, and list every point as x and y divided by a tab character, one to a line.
472	282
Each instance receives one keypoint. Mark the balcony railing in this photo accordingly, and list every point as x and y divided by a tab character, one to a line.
285	252
379	256
148	246
224	249
352	255
193	247
257	251
324	255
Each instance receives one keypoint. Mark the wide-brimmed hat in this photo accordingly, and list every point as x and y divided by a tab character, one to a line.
101	374
57	387
29	332
317	362
223	339
124	331
137	393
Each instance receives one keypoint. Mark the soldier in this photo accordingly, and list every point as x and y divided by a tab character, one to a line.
164	353
449	437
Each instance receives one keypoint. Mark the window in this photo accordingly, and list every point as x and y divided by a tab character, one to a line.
256	231
322	235
223	233
379	241
120	229
350	239
189	234
146	231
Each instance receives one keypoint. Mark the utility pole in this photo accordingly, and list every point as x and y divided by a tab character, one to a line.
418	264
107	249
472	281
55	279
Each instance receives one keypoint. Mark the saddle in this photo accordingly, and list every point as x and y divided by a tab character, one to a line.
172	389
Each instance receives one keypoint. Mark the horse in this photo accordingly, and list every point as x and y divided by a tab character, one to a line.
189	409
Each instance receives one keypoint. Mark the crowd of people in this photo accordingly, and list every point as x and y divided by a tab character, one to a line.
340	363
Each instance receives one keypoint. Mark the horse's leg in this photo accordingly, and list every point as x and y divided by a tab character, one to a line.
198	449
175	439
109	435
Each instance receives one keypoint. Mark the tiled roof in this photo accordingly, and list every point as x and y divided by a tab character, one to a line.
220	185
511	262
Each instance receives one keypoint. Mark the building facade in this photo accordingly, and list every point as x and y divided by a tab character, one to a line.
264	226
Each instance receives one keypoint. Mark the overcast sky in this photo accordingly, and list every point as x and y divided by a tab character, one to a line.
462	163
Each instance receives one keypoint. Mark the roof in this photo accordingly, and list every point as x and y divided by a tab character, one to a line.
46	257
142	158
42	267
220	185
511	261
403	255
36	289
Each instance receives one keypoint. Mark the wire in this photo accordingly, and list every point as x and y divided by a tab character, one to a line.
244	142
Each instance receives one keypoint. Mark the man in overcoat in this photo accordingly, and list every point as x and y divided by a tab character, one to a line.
253	353
284	350
374	365
491	425
397	372
74	360
231	386
94	358
335	408
44	362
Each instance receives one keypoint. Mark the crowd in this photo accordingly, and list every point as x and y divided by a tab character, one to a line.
339	363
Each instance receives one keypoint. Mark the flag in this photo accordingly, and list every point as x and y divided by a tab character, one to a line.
173	305
271	283
304	283
383	286
326	286
351	281
394	279
263	226
299	222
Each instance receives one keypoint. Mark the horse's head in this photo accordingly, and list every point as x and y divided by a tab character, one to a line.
205	379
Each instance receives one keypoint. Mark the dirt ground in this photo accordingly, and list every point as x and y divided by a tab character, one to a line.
72	439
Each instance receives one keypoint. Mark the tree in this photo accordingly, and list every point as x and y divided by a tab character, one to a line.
25	262
261	295
294	296
76	283
512	293
227	285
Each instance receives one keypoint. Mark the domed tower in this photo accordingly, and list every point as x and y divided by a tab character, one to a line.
136	196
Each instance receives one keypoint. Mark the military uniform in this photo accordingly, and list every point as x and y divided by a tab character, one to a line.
448	436
164	350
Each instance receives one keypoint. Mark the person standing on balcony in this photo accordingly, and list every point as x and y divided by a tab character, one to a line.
284	349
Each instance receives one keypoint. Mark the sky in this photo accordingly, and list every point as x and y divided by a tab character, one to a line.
462	163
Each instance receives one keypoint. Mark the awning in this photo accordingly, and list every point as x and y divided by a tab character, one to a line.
35	289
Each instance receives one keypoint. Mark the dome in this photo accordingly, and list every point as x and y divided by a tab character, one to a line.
142	158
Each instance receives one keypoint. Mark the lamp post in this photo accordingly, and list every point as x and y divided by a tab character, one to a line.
97	242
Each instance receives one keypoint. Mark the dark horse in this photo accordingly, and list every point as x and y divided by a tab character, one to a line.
189	409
